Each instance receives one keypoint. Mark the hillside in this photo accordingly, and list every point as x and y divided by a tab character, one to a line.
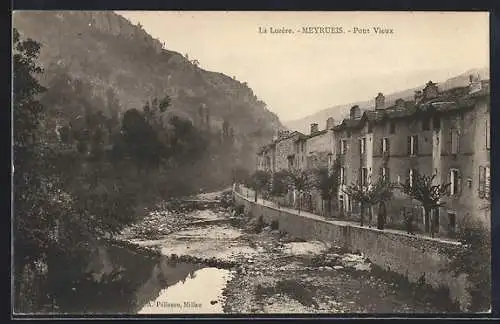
107	51
340	112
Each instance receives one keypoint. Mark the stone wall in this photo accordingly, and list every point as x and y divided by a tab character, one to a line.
416	258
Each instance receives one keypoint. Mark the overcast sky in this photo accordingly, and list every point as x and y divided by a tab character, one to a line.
298	74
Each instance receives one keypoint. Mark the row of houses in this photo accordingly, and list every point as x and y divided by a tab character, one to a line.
446	133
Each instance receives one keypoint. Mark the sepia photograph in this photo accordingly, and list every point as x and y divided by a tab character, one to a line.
251	162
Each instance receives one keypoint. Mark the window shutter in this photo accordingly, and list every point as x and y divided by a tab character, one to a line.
487	134
482	173
388	146
450	142
449	181
416	144
409	145
387	174
382	145
487	182
459	183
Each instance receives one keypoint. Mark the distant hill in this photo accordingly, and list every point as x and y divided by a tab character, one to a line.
340	112
106	50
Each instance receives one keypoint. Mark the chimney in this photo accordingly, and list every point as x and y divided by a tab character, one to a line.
380	101
431	90
400	103
418	96
330	123
355	112
474	84
314	128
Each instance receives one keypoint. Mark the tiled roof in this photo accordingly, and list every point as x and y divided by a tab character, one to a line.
316	134
456	98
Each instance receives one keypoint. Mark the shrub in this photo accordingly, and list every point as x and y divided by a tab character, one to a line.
474	259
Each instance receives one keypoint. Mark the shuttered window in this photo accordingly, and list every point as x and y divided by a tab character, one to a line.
384	174
454	141
455	180
487	182
412	145
385	145
487	135
484	182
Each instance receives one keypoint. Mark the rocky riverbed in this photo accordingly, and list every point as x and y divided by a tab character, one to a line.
263	270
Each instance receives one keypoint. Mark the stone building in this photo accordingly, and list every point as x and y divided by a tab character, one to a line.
446	134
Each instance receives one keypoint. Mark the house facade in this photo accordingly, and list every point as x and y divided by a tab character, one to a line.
441	133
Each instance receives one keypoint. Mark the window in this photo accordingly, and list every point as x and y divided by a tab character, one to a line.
454	141
385	145
362	145
484	182
426	121
392	127
342	175
455	182
413	145
384	172
452	222
364	176
435	219
469	183
330	160
436	123
487	130
343	146
411	174
341	203
290	162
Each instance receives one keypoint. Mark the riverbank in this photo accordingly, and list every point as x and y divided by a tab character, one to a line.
269	271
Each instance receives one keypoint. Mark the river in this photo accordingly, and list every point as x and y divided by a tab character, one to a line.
210	261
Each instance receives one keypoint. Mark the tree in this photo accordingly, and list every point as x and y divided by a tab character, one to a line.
424	189
280	183
474	260
327	182
301	181
140	142
259	181
370	194
164	103
240	175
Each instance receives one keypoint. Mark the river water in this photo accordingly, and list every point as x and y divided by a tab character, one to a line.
274	274
132	283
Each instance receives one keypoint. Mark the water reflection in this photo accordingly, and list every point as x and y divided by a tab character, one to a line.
200	293
126	282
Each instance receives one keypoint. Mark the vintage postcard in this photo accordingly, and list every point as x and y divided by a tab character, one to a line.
191	162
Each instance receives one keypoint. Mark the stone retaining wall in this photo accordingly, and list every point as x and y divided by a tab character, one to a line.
417	259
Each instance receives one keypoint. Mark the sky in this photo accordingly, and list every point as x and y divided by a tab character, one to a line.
301	73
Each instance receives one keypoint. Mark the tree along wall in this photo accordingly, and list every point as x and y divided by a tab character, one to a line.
419	260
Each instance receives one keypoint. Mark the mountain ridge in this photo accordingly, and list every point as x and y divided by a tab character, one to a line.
108	51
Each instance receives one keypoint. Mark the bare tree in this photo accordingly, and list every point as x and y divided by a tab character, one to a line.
301	181
370	194
424	189
327	182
